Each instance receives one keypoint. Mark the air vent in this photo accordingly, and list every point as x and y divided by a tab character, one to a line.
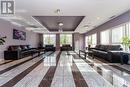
112	17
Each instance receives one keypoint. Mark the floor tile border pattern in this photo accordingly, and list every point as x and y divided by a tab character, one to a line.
47	80
78	78
16	79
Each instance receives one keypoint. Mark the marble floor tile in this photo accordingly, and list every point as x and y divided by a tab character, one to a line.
63	70
63	75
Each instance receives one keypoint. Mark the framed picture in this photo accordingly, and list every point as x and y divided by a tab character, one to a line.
19	35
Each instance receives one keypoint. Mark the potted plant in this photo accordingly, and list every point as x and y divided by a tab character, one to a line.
89	43
2	40
126	42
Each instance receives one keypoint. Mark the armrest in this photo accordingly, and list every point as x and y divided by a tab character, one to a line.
114	56
91	48
115	51
8	55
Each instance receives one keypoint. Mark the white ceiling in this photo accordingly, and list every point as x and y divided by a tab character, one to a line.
96	11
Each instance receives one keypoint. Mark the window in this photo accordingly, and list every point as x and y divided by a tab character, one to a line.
128	30
94	40
117	34
105	37
86	41
49	39
66	39
91	40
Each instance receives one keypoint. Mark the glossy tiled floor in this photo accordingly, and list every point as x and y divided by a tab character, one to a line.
58	69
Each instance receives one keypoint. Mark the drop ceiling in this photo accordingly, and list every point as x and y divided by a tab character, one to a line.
69	23
96	12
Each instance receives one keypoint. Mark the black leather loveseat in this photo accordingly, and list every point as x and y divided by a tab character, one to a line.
110	53
49	48
18	51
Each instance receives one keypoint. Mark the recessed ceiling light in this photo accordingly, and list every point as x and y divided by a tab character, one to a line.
98	18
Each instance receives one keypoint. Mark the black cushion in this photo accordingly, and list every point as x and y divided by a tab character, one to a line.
49	45
14	48
97	46
66	45
114	47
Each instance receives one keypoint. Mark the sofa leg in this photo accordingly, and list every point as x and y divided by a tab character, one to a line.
93	56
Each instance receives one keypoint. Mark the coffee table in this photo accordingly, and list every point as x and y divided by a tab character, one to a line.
85	52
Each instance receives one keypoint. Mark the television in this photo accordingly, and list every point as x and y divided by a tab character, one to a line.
19	35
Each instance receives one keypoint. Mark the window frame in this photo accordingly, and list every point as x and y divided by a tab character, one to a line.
108	37
70	42
49	37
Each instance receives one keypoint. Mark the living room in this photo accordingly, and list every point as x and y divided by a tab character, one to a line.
65	43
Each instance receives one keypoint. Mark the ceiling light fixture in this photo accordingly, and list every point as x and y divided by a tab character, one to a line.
57	11
60	30
60	24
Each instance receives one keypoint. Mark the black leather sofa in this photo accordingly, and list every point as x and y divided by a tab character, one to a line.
66	47
110	53
49	48
18	51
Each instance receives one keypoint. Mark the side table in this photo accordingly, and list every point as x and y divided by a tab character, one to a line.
122	56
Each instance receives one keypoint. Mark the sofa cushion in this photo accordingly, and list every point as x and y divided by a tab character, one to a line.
114	47
103	48
49	45
66	45
97	46
14	48
23	47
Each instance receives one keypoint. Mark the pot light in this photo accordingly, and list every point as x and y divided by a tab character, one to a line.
98	18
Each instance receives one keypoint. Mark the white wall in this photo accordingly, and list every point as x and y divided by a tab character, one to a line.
6	29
